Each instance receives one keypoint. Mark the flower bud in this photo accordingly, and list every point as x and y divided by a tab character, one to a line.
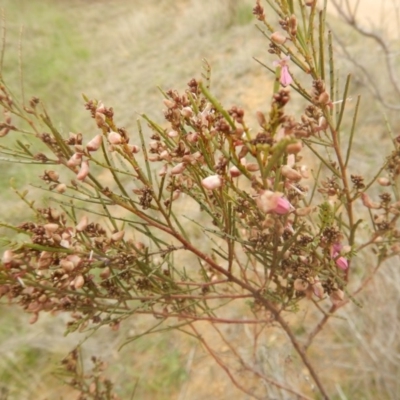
178	169
101	108
192	137
278	38
165	155
4	132
84	171
133	148
294	148
384	181
322	124
95	143
324	98
75	259
117	236
173	134
8	257
61	188
175	194
50	228
337	296
261	118
154	157
169	103
100	119
52	175
105	274
252	167
302	212
212	182
304	172
318	289
268	201
75	160
234	172
291	173
163	170
45	260
114	138
187	112
78	282
66	265
82	224
342	263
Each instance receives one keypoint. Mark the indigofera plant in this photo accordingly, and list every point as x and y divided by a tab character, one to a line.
278	207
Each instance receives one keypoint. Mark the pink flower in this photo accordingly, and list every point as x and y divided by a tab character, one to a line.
268	201
286	78
341	262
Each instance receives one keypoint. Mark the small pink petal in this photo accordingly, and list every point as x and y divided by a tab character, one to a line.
269	201
286	78
342	263
282	207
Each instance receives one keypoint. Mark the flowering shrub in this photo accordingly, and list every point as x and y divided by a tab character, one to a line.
279	208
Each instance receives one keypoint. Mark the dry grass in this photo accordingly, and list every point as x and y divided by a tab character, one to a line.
120	53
